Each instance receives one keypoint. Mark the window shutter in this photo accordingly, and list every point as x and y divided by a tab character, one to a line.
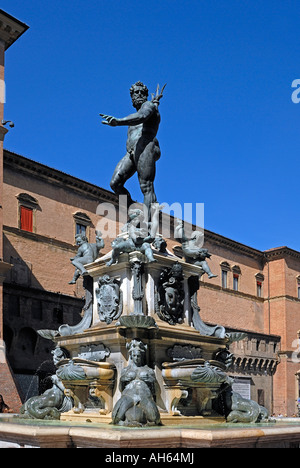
26	219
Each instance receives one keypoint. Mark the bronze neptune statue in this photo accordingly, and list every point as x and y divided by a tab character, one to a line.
142	147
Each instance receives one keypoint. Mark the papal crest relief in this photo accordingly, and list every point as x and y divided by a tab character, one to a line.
109	299
169	295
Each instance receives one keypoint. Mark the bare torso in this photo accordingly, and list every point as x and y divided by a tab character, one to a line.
143	133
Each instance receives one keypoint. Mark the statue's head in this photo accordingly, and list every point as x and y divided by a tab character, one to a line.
135	216
137	352
139	94
80	239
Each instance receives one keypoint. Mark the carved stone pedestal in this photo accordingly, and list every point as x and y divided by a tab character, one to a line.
150	304
146	358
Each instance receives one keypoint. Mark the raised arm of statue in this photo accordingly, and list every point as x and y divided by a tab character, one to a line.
137	118
179	233
99	240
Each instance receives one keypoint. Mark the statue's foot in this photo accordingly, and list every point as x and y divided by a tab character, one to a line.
212	276
152	260
72	282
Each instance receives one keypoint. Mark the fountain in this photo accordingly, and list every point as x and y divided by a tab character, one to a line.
141	359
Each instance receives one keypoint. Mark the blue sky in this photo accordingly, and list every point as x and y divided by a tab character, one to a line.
230	133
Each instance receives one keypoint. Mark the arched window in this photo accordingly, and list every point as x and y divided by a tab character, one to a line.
259	284
236	271
27	212
225	268
82	224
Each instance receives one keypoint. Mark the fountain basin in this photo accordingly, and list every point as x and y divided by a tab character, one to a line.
61	434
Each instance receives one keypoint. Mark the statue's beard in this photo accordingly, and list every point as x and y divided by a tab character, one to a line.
137	102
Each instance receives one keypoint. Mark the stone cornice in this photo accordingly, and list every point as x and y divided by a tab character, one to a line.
223	241
54	176
281	252
10	29
237	246
227	243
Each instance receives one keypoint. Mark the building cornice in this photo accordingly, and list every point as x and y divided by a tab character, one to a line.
10	29
54	176
234	245
281	252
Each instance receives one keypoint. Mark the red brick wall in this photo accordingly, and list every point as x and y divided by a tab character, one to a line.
8	388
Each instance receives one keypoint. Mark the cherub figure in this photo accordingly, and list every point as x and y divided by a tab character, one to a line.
141	234
192	248
87	253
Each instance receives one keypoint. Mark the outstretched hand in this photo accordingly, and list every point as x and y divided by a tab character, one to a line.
109	120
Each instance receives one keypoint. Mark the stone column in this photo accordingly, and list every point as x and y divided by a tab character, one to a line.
137	289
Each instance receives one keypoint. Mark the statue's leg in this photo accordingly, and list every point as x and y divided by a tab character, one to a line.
146	173
79	264
146	249
207	270
114	257
117	250
123	171
75	277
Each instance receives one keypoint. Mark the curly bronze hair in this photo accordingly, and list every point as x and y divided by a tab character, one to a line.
139	83
136	344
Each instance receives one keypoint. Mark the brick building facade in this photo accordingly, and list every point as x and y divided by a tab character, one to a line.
43	208
254	291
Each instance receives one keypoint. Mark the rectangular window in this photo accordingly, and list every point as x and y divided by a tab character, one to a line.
26	219
236	282
224	279
80	229
258	289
